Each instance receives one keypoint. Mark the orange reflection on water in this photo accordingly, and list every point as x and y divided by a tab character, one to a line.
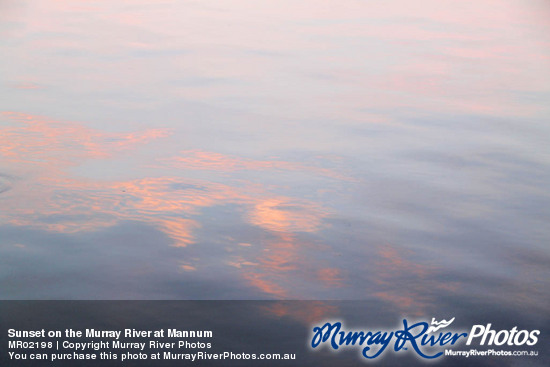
163	194
284	263
284	215
331	277
179	229
285	257
49	199
203	160
27	85
44	148
393	271
52	144
403	282
281	254
267	286
305	312
277	264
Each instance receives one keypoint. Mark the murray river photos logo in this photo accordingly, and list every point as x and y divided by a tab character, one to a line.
426	340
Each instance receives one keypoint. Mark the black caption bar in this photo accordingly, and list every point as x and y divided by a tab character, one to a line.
234	333
160	333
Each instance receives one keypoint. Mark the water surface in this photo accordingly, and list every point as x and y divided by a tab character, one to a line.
384	151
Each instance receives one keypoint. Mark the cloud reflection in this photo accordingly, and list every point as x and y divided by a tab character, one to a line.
280	263
52	144
407	284
203	160
438	109
306	313
55	202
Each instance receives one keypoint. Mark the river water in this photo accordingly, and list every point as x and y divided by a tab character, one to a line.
393	152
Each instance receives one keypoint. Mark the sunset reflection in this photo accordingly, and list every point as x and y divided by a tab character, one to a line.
330	277
68	205
382	151
314	311
201	160
285	216
53	144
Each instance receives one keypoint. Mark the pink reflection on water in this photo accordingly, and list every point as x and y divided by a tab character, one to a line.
331	277
203	160
27	85
438	56
52	144
284	215
306	313
405	283
42	150
53	201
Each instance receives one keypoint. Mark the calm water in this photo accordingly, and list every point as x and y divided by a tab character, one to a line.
397	152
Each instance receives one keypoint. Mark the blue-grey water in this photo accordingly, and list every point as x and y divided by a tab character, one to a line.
396	151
